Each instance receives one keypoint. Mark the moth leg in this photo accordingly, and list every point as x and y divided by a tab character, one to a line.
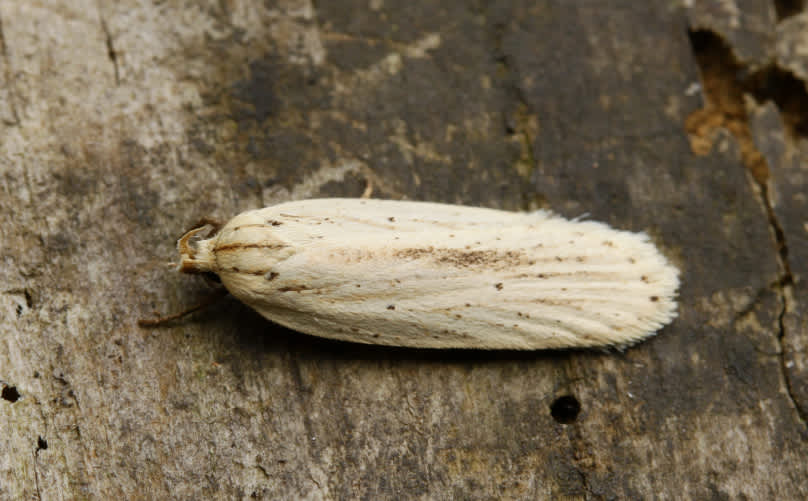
160	321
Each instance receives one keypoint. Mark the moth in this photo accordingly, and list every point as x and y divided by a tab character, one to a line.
430	275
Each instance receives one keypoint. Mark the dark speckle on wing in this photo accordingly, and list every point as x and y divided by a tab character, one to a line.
462	258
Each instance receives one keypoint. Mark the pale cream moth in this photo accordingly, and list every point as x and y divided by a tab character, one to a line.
432	275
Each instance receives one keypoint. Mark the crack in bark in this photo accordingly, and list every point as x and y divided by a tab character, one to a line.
783	287
36	468
517	122
12	98
724	100
111	52
802	413
303	394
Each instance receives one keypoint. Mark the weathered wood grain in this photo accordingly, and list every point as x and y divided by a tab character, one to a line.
122	123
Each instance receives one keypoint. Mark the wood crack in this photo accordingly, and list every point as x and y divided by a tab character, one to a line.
783	288
111	52
725	107
520	123
12	97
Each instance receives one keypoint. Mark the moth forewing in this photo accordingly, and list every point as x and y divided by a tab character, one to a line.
441	276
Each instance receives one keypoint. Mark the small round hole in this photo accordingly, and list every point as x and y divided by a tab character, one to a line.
565	409
10	393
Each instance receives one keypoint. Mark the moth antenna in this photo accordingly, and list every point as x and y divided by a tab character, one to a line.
160	321
182	243
206	221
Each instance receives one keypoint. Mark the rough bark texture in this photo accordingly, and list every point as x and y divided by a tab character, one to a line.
121	123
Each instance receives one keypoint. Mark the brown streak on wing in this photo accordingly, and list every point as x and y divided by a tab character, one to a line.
234	269
254	225
460	258
230	247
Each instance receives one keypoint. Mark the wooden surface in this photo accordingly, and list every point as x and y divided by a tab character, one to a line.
122	123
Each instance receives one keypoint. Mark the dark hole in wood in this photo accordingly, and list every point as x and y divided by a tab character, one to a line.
10	393
565	409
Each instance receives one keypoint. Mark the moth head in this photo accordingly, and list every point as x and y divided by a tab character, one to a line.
197	256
